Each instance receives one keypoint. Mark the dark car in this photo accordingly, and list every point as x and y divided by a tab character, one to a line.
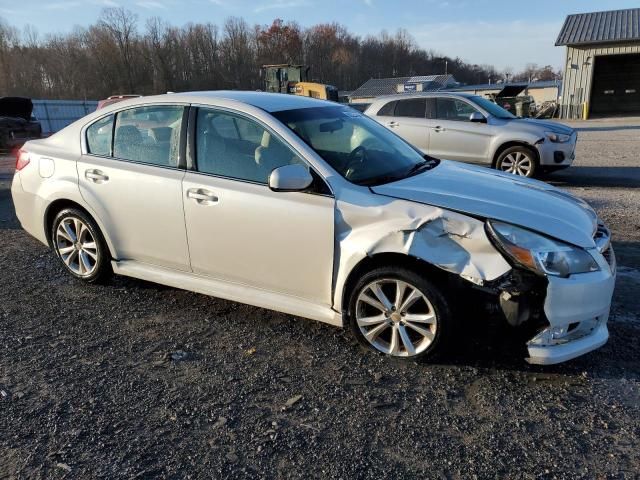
17	123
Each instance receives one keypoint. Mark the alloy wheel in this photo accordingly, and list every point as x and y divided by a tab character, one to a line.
518	163
76	246
396	318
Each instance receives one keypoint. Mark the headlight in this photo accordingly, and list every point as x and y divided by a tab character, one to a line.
539	253
557	137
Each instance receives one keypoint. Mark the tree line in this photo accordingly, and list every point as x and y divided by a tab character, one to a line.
117	55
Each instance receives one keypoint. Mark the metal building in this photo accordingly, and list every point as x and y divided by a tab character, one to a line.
376	87
602	69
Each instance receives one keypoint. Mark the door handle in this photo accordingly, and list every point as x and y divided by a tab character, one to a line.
439	129
201	196
393	124
96	176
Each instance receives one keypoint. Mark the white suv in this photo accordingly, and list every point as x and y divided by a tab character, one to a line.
313	209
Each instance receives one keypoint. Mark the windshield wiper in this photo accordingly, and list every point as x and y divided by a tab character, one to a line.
421	167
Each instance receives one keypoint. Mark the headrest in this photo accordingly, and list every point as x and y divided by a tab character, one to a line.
128	133
266	139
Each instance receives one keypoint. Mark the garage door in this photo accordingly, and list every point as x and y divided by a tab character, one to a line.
616	85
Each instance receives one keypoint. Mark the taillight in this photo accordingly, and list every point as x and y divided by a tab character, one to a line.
22	159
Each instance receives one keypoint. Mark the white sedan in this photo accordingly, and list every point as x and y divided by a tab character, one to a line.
311	208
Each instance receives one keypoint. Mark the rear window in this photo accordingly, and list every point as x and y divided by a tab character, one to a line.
99	136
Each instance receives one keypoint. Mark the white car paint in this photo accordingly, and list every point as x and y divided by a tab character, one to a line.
243	247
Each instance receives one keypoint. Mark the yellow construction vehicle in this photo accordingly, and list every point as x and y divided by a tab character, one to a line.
293	79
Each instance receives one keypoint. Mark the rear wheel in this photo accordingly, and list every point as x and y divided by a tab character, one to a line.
518	160
396	312
80	246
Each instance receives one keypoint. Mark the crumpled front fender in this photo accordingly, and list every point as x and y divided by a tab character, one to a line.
367	226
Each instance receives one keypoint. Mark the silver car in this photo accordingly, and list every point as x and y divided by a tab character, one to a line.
470	128
313	209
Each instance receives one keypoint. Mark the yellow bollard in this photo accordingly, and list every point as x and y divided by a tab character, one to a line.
585	111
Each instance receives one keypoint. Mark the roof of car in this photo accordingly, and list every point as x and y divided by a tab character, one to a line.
270	102
441	93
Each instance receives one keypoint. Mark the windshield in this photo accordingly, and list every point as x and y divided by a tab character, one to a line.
359	148
492	108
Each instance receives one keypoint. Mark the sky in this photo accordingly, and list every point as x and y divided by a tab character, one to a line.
502	33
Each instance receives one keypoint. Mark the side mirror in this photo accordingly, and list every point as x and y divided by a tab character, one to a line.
290	178
477	117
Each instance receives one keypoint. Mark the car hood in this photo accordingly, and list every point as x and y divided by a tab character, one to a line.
16	107
543	124
500	196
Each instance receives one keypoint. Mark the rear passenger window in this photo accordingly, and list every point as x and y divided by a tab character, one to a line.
149	135
387	110
411	108
99	137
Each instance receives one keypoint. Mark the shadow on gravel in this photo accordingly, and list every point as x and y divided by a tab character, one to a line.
8	220
502	348
611	177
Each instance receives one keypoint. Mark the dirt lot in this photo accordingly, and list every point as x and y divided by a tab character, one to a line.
133	379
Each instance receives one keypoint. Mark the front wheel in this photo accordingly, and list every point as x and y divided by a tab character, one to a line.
518	160
396	312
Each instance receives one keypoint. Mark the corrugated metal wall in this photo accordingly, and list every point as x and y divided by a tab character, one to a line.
54	115
578	75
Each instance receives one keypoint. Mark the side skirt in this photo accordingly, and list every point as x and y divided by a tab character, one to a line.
228	291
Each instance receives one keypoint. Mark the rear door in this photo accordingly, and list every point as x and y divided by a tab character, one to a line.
131	176
454	137
410	122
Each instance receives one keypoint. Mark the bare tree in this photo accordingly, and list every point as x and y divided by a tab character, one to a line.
112	57
121	25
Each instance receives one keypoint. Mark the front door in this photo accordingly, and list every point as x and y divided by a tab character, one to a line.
134	184
454	137
240	230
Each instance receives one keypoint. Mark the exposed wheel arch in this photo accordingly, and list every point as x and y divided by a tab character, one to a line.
514	143
368	263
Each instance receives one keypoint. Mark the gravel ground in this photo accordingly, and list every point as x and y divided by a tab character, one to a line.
132	379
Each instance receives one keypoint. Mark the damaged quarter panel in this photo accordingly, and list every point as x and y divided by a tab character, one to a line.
367	225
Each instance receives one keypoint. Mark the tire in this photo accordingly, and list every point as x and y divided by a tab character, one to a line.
376	329
86	258
519	160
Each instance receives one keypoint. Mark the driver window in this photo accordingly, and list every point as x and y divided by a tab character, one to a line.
233	146
453	109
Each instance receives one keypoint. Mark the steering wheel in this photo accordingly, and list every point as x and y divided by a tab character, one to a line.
355	160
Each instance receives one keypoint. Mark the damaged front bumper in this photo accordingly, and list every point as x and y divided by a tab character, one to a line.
577	310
